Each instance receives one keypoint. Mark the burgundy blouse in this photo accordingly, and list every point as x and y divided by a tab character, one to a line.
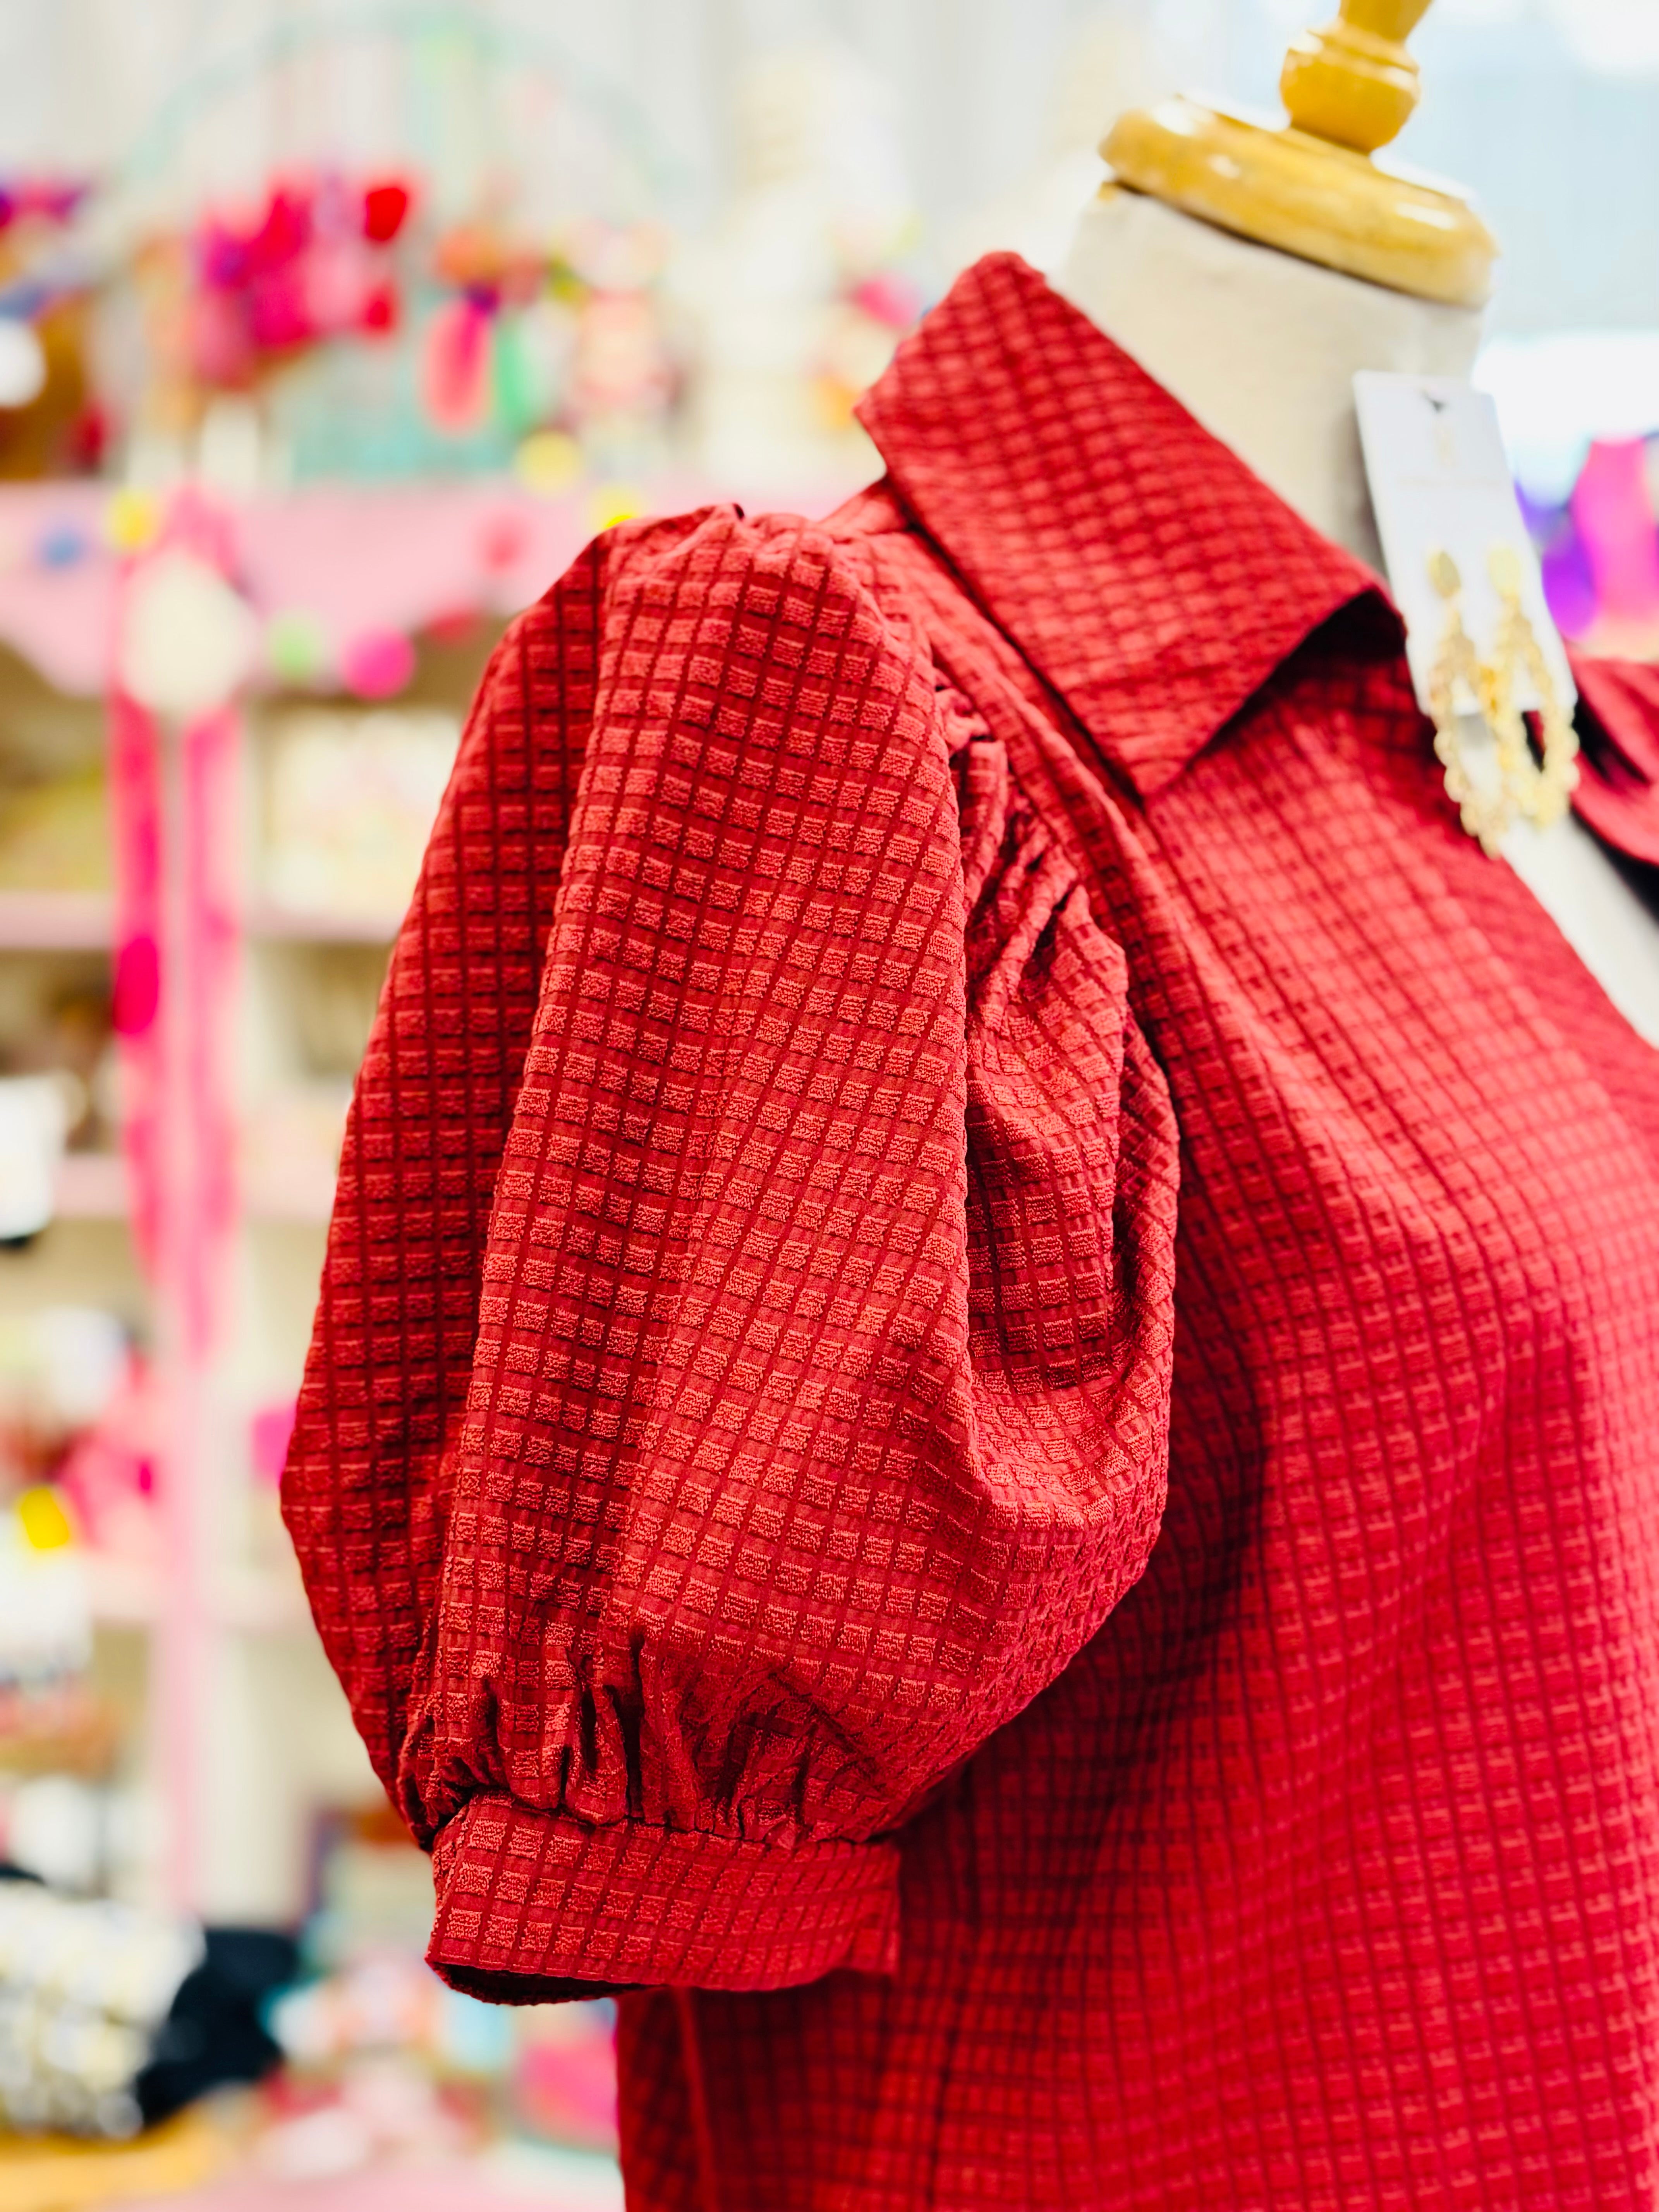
984	1414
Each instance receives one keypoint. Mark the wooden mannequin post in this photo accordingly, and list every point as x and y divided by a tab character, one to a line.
1312	189
1353	83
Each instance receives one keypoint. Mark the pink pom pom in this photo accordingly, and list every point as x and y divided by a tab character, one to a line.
377	664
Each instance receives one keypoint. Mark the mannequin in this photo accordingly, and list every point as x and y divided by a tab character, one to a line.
1261	345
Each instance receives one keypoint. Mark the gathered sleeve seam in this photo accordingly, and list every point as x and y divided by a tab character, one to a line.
542	1898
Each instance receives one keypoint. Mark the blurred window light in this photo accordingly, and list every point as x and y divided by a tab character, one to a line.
1610	35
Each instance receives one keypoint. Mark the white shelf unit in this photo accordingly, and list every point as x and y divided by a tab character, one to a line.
245	1735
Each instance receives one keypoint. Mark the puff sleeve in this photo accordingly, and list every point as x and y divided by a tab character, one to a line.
816	1406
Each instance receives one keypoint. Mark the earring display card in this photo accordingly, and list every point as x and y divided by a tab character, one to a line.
1440	483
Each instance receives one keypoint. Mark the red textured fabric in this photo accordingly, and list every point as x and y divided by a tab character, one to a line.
915	1033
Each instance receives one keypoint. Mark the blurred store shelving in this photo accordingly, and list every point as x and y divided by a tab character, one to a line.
344	334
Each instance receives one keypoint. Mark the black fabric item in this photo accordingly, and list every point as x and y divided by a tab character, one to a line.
213	2034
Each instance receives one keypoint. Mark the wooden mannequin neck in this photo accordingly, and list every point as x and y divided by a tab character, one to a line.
1261	346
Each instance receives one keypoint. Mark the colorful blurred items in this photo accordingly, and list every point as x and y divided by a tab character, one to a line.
381	2108
487	262
568	334
49	200
310	262
1580	416
1613	509
467	367
78	1422
388	2017
860	332
383	2061
608	504
562	2085
455	380
49	422
350	799
270	1432
108	1472
503	541
548	462
1569	579
62	1367
46	1619
889	297
798	294
374	1891
61	544
23	364
36	1114
56	1731
297	650
54	834
377	664
85	1986
388	2000
131	520
50	1721
1599	551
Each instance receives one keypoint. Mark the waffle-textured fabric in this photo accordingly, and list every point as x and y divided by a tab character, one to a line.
985	1413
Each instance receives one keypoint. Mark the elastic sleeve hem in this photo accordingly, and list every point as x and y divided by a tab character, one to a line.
527	1900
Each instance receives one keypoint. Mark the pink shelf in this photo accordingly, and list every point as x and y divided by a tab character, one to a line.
135	1594
56	921
92	1187
298	1195
281	922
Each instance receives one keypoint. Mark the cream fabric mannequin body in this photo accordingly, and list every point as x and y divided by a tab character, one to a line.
1262	348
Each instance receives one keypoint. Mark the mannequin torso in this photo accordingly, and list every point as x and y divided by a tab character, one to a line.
1261	349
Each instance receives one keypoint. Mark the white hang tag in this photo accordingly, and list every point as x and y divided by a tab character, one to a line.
1441	483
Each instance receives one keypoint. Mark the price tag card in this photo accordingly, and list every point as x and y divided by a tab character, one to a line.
1441	483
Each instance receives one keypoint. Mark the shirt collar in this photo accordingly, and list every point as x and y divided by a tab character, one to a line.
1143	570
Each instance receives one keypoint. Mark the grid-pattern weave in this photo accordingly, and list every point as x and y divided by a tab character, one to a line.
749	1359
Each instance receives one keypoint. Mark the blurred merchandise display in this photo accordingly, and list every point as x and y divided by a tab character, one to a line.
351	798
51	420
798	295
284	677
85	1988
312	262
1580	413
384	2063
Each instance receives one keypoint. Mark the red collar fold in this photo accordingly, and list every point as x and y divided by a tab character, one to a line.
1143	569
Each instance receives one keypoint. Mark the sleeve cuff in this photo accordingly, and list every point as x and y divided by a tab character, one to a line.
527	1900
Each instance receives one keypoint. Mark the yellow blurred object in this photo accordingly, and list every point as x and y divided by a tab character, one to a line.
611	504
46	1526
1353	83
131	520
548	462
54	836
1312	188
57	2173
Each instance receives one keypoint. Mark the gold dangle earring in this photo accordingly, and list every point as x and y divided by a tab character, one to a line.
1486	815
1541	793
